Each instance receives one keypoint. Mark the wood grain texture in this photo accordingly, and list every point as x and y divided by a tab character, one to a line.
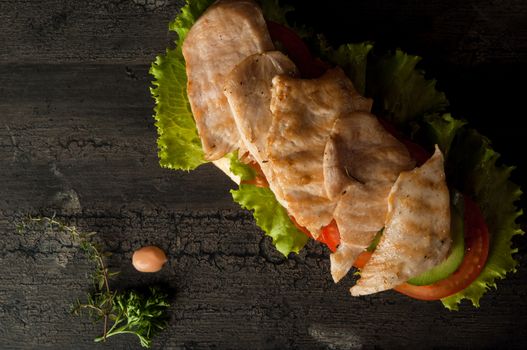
458	32
77	138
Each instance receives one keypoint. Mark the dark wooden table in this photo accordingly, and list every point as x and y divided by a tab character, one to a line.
77	138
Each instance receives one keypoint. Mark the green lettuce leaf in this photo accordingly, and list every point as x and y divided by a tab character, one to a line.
274	11
400	91
270	216
442	129
472	167
245	172
408	99
353	59
179	146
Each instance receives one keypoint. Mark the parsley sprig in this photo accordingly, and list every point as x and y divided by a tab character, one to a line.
122	312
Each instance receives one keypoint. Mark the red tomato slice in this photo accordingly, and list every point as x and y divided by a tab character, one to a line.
301	228
362	260
297	50
476	252
330	235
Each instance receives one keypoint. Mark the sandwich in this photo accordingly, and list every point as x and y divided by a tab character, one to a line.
350	147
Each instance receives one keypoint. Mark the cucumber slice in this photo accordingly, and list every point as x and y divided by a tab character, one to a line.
457	252
375	241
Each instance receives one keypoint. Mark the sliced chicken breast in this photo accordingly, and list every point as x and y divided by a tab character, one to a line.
417	232
360	150
361	162
228	32
248	90
358	214
304	112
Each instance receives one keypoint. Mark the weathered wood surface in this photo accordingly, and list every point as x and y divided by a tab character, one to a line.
77	137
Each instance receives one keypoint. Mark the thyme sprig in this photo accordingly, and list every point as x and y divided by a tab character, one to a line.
122	312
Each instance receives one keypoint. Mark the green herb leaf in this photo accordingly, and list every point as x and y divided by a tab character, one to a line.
141	314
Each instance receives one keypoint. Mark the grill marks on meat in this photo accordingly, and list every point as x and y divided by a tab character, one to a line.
248	90
361	163
324	155
304	112
360	214
227	33
417	232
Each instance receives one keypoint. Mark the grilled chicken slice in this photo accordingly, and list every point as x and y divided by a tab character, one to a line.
228	32
361	162
359	215
248	90
304	112
360	150
417	232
